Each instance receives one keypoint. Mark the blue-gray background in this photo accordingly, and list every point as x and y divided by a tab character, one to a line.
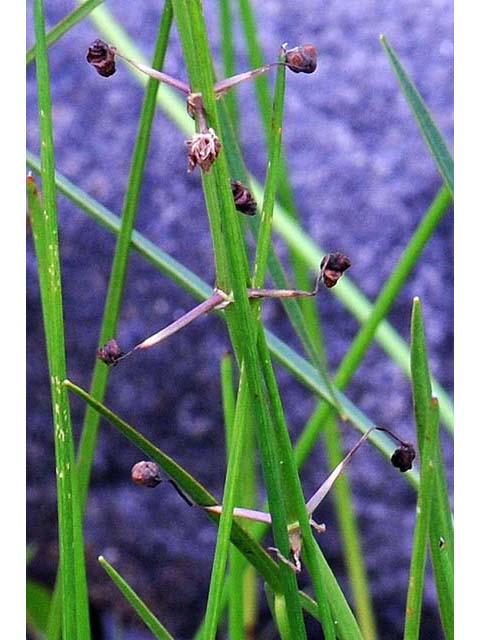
363	179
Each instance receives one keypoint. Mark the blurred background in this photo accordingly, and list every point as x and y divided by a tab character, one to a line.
363	179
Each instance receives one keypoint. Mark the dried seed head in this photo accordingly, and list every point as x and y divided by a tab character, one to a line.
146	473
302	59
244	201
332	267
203	150
110	353
403	457
101	56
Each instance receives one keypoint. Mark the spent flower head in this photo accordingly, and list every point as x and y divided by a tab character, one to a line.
203	150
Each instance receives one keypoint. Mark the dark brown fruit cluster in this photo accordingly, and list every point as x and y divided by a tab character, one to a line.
302	59
146	473
332	267
403	457
244	201
102	57
110	353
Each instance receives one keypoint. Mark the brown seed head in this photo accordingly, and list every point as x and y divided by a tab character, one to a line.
203	150
101	56
332	267
403	457
146	473
302	59
244	201
110	353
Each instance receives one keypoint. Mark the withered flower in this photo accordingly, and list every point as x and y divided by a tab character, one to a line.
244	201
403	457
110	353
332	267
302	59
203	150
146	473
101	56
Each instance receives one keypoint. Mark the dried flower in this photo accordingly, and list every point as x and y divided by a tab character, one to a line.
403	457
244	201
146	473
302	59
332	267
203	150
110	353
101	56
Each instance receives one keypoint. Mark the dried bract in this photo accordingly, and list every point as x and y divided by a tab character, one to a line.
302	59
332	267
403	457
244	201
146	473
110	353
101	56
203	150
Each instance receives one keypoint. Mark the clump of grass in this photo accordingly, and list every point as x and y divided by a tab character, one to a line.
255	420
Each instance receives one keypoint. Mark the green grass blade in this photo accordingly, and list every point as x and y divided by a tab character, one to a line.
228	58
150	620
294	498
292	306
307	326
67	23
430	132
118	272
227	238
236	615
242	580
420	537
441	526
230	494
347	292
273	165
45	228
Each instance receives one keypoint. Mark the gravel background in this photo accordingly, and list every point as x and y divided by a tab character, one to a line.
362	178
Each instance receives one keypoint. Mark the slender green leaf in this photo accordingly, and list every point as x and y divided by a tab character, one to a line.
230	494
420	537
151	621
294	498
231	268
236	629
308	329
430	132
45	230
118	272
67	23
441	526
228	57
